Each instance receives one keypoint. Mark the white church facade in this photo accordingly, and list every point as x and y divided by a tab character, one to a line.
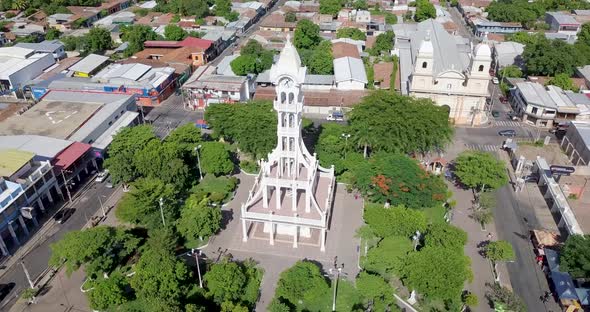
292	195
445	68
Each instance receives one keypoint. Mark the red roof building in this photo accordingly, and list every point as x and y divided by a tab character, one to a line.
200	51
71	155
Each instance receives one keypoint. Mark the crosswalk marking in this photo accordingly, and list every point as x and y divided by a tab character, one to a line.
482	147
507	123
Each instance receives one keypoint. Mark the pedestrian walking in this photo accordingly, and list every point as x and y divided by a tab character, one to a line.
490	236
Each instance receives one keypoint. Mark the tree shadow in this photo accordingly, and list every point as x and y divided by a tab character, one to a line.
226	217
44	290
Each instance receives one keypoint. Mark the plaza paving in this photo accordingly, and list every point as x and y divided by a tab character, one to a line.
341	241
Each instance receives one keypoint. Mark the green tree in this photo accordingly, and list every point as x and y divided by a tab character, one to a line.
375	289
424	10
222	7
383	116
100	249
20	5
303	281
277	305
502	296
109	292
575	256
360	5
515	11
563	81
186	138
322	61
174	32
98	39
584	34
136	35
388	257
290	17
163	161
52	34
351	32
480	170
215	159
438	273
511	71
524	37
198	221
141	205
400	180
550	57
234	282
159	275
383	43
390	18
499	251
446	236
331	7
252	125
253	59
307	34
331	147
394	221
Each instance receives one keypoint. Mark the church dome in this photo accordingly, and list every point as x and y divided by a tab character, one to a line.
483	49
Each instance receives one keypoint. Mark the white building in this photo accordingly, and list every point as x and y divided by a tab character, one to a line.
350	74
446	69
55	47
19	65
292	195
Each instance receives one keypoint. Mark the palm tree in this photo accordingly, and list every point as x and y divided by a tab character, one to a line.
20	4
364	138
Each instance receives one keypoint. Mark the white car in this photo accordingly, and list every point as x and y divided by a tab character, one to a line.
495	80
102	176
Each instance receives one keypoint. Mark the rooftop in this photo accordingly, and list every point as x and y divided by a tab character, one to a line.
69	155
43	147
14	59
89	63
349	68
536	94
11	160
342	49
563	19
44	46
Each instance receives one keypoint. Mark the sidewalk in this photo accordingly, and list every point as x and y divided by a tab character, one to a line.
60	292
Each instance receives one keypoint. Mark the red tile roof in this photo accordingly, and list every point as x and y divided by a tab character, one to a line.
70	154
161	44
196	42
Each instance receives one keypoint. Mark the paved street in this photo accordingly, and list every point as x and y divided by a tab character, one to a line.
37	248
346	218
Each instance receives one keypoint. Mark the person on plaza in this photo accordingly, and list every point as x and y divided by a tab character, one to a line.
490	236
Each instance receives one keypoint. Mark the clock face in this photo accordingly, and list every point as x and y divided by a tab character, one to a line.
286	82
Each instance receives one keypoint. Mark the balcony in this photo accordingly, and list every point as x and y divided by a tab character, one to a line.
36	172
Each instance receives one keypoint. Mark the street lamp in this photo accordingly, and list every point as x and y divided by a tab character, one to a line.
335	272
162	211
199	161
196	253
345	136
66	182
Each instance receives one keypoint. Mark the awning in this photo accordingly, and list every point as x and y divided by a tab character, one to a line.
552	259
564	286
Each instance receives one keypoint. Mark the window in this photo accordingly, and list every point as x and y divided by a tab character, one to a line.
449	86
424	64
480	68
534	110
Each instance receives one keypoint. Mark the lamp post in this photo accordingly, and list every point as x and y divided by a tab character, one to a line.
196	253
162	211
345	136
199	161
66	186
335	272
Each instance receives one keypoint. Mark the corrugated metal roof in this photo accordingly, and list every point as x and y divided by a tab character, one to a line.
348	68
536	94
45	148
107	137
72	153
319	79
89	63
11	160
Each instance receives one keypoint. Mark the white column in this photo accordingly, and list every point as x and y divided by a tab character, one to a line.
271	233
265	196
23	224
323	240
57	189
296	233
3	247
244	231
278	196
308	194
40	203
294	197
12	233
94	163
86	169
49	196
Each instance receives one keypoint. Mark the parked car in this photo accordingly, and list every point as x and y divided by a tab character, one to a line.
109	184
102	176
335	116
495	80
63	215
5	290
495	114
512	116
507	133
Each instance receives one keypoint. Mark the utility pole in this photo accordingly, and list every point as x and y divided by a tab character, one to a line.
22	262
199	161
162	211
345	136
101	206
66	186
335	272
196	254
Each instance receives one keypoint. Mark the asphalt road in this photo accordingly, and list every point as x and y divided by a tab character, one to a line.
86	205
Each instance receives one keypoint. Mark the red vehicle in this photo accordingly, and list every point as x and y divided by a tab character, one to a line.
201	124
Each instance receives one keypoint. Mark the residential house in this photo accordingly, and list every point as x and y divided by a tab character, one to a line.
576	143
349	73
276	22
481	26
382	75
61	21
55	47
533	103
445	68
341	49
562	23
23	29
584	72
200	50
508	53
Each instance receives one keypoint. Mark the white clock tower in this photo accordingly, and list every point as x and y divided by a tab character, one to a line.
292	195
